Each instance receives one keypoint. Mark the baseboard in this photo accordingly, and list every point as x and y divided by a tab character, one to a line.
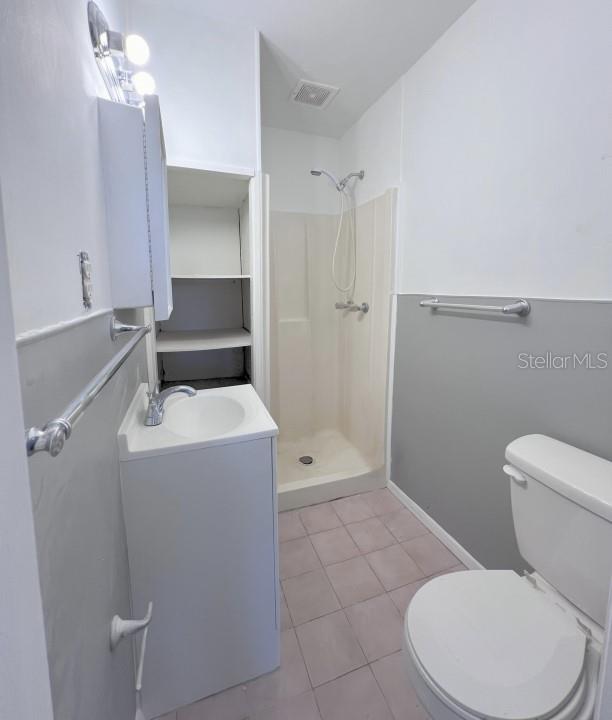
457	549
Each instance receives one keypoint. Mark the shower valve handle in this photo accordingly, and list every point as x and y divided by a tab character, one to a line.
352	307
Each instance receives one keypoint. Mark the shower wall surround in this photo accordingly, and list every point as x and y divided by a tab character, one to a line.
329	367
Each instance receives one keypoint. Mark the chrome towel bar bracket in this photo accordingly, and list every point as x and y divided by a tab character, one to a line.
118	328
518	307
53	435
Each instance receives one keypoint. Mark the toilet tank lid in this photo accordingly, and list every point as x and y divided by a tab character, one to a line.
578	475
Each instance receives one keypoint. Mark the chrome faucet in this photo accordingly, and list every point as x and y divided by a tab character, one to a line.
155	411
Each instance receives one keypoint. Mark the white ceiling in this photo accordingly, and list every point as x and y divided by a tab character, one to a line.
361	46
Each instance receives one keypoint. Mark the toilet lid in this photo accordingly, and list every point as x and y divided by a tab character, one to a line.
496	645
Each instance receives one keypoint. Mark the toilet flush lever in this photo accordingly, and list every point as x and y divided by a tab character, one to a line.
516	475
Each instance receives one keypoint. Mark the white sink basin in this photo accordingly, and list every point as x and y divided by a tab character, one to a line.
203	416
212	417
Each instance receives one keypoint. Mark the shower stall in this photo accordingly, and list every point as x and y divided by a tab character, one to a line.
330	300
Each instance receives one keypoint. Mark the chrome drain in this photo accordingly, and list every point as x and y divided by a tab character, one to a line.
306	459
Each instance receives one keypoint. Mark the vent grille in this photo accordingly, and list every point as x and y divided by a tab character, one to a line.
314	94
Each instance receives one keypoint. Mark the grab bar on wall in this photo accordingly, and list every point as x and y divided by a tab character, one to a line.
52	436
518	307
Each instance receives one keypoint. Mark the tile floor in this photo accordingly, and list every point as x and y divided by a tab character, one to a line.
348	570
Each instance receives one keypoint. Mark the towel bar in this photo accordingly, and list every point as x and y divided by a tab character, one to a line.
518	307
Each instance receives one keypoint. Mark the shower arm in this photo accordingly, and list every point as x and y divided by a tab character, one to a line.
343	183
340	185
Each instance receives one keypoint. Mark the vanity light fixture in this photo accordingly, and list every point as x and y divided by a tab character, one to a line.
117	56
143	83
136	49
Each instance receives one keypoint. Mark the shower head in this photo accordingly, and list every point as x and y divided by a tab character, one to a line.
339	184
318	172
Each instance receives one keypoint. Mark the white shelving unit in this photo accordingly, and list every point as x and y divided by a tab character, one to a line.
208	336
211	277
197	340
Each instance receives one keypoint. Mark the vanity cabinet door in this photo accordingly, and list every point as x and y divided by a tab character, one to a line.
123	164
201	533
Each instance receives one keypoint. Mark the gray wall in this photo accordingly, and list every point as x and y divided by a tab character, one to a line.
459	398
79	522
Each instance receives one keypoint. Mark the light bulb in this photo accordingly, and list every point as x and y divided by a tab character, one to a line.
136	49
143	83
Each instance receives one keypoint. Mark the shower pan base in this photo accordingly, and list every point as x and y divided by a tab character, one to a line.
338	469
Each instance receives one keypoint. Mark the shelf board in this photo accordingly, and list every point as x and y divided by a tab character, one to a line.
195	340
211	277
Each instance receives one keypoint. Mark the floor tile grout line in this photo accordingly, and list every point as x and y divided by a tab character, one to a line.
340	607
374	569
382	692
306	571
338	561
303	659
366	664
357	636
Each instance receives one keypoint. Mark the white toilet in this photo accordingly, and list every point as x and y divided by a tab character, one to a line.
490	644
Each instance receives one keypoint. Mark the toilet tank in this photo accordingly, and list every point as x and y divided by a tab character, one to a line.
562	511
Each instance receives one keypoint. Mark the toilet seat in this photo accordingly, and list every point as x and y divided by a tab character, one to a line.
491	645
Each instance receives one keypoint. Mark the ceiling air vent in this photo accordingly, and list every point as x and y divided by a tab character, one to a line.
314	94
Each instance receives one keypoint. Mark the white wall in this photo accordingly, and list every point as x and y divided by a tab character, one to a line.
24	672
54	207
507	154
288	157
373	144
50	168
207	81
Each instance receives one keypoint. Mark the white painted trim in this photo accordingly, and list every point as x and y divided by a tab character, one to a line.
257	81
151	349
265	280
259	361
240	171
392	331
30	336
390	381
466	558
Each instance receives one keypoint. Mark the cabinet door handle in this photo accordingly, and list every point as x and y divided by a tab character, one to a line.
516	475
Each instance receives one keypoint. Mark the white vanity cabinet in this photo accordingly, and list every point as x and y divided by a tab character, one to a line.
201	537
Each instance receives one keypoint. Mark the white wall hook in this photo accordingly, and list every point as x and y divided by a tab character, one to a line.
121	628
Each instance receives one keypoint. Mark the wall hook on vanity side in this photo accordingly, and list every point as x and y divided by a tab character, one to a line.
121	628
